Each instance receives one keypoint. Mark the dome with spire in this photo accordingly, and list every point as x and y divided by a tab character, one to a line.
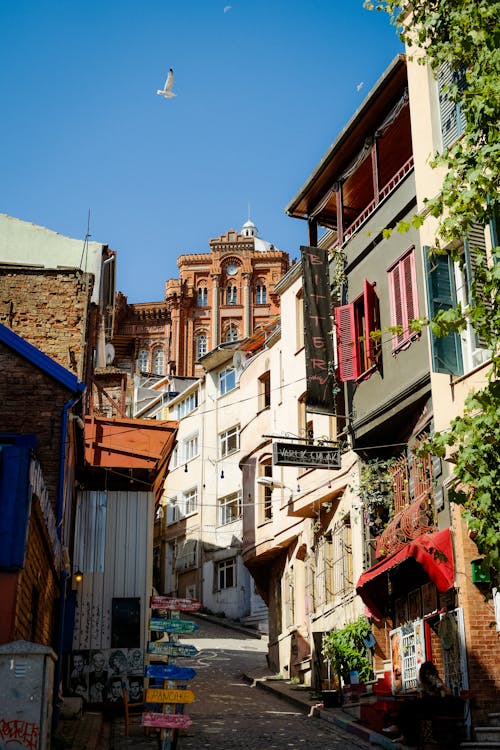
249	229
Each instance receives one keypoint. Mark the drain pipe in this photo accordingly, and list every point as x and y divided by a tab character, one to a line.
64	573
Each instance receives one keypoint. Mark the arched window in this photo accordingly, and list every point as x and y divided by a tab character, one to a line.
260	293
201	345
232	333
202	296
158	361
142	360
231	295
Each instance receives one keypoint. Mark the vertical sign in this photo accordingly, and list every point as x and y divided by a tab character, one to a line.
318	331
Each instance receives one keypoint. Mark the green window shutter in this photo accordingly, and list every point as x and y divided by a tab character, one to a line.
446	351
475	254
451	113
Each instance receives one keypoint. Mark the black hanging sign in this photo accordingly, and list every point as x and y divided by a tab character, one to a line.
313	456
318	331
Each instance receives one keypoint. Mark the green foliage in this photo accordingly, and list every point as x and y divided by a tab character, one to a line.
466	36
345	649
376	491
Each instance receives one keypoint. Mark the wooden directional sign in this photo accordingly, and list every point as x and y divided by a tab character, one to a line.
172	626
170	672
171	649
159	695
171	602
166	721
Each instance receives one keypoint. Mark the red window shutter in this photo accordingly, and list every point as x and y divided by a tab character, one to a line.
404	298
348	349
397	305
410	280
371	320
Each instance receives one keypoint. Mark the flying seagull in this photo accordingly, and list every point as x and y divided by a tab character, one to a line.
360	86
166	90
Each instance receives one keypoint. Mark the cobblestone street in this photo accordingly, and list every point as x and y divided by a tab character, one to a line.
229	713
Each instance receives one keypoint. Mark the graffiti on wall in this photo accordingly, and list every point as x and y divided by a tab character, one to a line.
20	734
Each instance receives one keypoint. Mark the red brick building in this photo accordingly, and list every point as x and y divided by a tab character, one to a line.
224	295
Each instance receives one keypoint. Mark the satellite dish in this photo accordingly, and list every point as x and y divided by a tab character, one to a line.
109	352
238	362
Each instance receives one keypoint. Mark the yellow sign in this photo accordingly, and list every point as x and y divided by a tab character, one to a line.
157	695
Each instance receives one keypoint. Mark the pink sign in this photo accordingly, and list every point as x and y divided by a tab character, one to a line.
166	721
171	602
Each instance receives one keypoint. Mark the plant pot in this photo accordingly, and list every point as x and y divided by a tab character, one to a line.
331	698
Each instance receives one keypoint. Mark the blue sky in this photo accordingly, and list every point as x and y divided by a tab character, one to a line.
263	87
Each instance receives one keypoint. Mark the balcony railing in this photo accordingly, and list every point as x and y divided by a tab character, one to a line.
388	188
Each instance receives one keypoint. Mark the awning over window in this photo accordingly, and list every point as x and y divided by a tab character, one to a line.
434	552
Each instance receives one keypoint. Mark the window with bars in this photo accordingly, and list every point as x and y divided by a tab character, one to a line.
289	597
403	297
225	574
358	350
229	508
342	558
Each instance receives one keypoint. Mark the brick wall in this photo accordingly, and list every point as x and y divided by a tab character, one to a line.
50	309
32	403
38	587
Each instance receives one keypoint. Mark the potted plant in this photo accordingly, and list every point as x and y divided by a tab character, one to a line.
345	651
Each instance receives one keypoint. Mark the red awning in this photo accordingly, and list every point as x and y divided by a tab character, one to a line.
434	552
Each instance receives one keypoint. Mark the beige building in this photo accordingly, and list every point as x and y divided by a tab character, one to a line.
459	365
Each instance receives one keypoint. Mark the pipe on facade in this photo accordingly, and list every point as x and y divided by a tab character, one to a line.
64	573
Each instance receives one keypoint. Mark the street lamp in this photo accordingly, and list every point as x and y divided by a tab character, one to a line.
274	484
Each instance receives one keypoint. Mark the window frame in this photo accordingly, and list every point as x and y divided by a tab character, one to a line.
158	351
264	385
190	501
222	567
144	355
227	380
229	508
358	353
226	437
202	295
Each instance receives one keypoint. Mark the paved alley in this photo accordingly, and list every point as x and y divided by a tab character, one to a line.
229	713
